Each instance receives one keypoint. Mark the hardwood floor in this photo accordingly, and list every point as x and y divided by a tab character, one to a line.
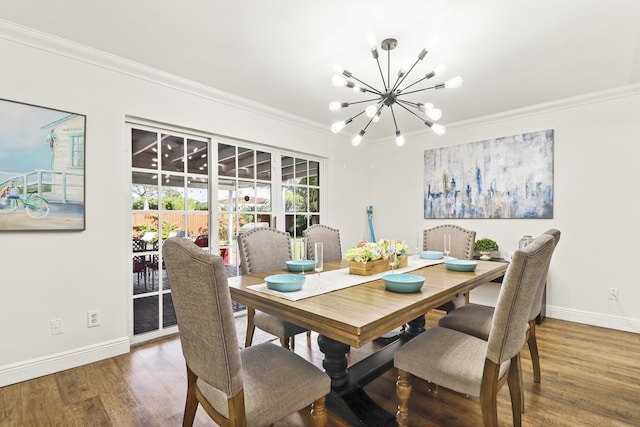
590	377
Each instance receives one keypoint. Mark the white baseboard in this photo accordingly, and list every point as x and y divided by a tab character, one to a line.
619	322
596	319
33	368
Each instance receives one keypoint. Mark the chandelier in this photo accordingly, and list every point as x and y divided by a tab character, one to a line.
391	94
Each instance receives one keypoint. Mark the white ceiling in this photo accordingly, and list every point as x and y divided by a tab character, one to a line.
511	53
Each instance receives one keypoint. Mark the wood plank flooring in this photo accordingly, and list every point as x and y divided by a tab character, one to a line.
590	377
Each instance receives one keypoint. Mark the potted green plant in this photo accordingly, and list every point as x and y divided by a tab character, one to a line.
485	247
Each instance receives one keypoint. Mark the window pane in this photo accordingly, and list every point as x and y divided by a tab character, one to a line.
301	171
197	157
314	173
145	314
172	153
288	198
287	170
246	197
168	312
144	149
226	160
246	163
263	198
263	166
301	199
144	191
314	200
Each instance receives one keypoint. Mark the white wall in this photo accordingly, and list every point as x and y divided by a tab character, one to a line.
48	275
596	152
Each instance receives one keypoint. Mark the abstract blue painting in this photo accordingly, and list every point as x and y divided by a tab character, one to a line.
508	177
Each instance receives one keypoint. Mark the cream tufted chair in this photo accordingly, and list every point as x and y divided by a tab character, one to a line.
476	320
473	366
330	238
266	249
462	242
251	387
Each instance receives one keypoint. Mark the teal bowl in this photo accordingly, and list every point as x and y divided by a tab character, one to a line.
431	254
460	265
284	282
403	283
300	265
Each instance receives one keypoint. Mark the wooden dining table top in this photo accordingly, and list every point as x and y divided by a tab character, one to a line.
359	314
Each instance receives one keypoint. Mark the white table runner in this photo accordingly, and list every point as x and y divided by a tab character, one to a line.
329	281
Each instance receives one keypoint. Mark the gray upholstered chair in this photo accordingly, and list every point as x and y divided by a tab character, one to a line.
266	249
462	242
473	366
251	387
330	238
476	319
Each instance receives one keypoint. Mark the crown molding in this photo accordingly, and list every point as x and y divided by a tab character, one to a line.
77	52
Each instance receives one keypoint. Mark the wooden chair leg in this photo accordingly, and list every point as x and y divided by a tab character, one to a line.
533	349
191	405
514	379
251	327
403	390
489	394
319	413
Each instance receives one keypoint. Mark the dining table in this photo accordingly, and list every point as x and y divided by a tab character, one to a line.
352	315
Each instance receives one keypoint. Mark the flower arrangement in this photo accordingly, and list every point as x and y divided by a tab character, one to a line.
370	251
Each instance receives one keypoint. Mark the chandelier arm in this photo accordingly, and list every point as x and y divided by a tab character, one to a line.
394	117
366	84
418	90
401	104
361	102
416	82
384	83
399	80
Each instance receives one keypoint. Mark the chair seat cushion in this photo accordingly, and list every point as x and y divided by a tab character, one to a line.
276	326
471	319
448	358
266	368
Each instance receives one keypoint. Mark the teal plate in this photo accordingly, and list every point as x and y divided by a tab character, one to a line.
299	265
403	283
460	265
431	254
284	282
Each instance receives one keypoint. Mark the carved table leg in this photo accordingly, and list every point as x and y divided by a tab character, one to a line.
335	361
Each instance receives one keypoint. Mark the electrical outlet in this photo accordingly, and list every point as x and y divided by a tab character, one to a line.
613	294
57	327
93	318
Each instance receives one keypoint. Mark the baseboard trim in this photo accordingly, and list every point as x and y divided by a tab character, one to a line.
617	322
33	368
595	319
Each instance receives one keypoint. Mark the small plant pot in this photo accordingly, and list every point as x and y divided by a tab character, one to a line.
485	255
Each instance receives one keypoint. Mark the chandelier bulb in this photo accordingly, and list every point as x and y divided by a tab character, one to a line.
357	139
434	113
438	129
335	106
371	110
399	139
376	118
338	126
339	81
453	83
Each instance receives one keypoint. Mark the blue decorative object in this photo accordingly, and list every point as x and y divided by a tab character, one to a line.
403	283
285	282
460	265
299	265
431	254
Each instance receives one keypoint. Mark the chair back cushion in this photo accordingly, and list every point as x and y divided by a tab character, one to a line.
511	315
263	249
205	316
330	238
537	300
462	240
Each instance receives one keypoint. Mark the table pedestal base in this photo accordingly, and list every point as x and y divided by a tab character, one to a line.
348	398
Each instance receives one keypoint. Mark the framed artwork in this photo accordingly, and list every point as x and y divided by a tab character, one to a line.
509	177
42	166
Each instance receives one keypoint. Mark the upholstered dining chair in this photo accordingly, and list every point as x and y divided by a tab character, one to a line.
330	238
251	387
473	366
462	242
474	319
265	249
